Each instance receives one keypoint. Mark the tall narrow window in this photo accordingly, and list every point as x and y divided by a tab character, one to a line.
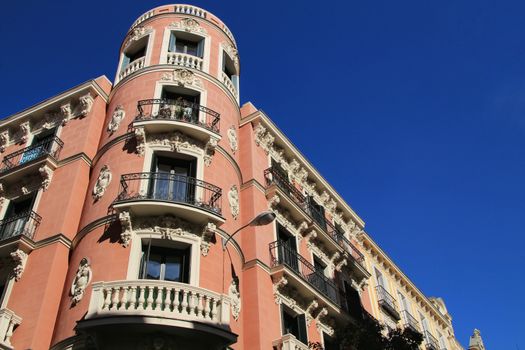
17	219
317	212
187	44
41	145
294	324
135	52
229	69
171	180
167	264
287	248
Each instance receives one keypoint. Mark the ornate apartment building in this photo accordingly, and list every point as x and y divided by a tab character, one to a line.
156	212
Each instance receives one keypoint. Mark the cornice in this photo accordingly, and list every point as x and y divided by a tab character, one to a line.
91	226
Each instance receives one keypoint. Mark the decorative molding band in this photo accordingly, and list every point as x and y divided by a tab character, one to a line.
91	226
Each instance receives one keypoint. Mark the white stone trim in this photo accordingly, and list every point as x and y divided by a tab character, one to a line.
147	56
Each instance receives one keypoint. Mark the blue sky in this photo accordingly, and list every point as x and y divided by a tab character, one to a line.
420	105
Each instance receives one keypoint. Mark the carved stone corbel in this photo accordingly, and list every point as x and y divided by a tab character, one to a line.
207	235
66	112
46	173
310	310
19	257
277	287
127	229
23	133
209	150
140	137
4	140
85	103
274	201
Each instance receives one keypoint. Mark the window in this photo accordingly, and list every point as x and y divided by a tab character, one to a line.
442	345
317	212
229	69
287	248
136	51
170	180
167	264
294	324
41	144
380	279
186	43
16	218
353	301
180	104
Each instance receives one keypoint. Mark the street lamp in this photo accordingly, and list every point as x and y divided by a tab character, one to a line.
264	218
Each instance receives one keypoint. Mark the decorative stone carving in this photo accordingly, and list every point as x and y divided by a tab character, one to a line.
274	201
138	32
103	181
82	279
140	137
189	25
19	257
175	141
233	199
46	173
277	286
23	133
209	150
207	234
116	118
4	140
235	296
125	223
85	103
263	138
310	310
232	138
183	77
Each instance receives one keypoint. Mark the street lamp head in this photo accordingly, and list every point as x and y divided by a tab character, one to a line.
264	218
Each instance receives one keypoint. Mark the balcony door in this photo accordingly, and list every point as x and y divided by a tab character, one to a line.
317	212
16	217
173	180
40	145
166	264
180	105
287	248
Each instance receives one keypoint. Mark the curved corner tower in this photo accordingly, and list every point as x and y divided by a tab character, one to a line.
165	167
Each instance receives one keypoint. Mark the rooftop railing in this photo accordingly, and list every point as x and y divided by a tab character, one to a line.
49	147
180	111
170	188
282	254
21	224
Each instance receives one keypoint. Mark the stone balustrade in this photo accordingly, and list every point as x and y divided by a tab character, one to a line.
142	18
132	67
227	81
190	10
159	299
289	342
185	60
8	322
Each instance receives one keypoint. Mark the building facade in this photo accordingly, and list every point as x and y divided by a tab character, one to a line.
116	199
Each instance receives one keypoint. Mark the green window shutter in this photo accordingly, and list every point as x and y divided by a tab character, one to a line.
173	39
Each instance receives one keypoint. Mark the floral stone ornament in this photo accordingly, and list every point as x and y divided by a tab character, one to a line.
82	279
103	181
233	199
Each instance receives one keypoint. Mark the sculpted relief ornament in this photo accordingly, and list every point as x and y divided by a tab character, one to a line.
116	118
233	199
103	181
189	25
183	77
82	279
19	257
167	227
232	138
235	296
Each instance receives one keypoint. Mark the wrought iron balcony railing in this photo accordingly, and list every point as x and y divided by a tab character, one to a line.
180	111
49	147
173	188
431	342
21	224
282	254
387	302
276	177
410	321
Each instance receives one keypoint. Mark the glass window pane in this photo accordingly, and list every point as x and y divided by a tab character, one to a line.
173	269
153	267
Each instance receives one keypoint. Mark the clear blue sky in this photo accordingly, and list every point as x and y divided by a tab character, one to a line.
420	105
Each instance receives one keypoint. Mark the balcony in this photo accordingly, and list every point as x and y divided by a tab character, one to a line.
304	277
24	224
194	120
387	302
132	67
431	342
151	194
8	322
291	198
229	84
410	321
185	60
171	307
289	342
30	159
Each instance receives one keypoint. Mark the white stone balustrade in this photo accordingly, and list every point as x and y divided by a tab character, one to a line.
182	59
159	299
190	10
142	18
8	322
289	342
226	81
132	67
